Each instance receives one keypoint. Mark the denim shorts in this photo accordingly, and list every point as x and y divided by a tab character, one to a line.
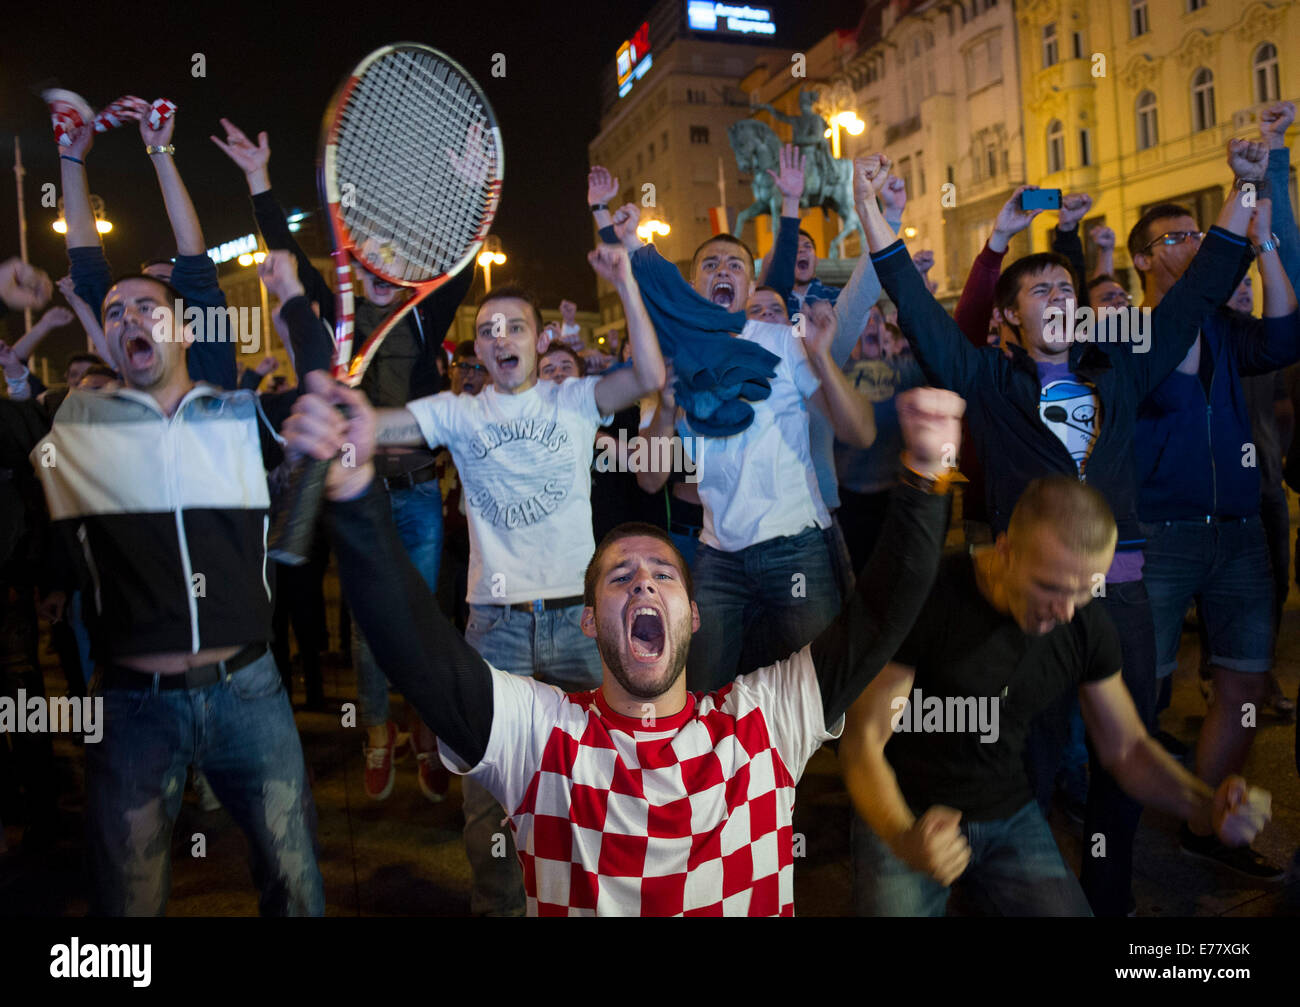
1225	564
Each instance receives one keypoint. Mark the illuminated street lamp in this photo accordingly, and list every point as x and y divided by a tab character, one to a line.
847	120
489	257
102	224
249	259
647	229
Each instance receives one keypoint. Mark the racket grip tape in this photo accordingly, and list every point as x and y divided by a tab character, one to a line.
294	526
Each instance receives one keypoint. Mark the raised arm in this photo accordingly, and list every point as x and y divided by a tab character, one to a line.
778	270
87	264
625	386
53	318
852	416
88	317
1210	278
1104	239
940	348
180	209
893	586
975	306
1065	236
1273	124
419	650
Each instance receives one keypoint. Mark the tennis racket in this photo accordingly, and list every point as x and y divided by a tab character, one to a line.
410	174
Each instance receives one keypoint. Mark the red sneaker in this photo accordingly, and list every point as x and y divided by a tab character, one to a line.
434	778
380	772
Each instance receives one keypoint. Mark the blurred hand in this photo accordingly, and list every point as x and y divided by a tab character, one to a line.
601	186
23	286
1011	220
80	140
819	325
1274	122
934	845
240	149
266	365
1103	237
1248	159
569	312
56	316
1260	228
1074	207
893	196
790	178
611	264
279	271
1240	811
317	429
923	261
625	221
930	419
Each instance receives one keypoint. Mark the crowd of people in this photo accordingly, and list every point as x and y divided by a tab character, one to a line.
633	664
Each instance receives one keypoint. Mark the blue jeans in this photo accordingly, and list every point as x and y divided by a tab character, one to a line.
759	605
240	733
551	647
1226	564
417	513
1015	870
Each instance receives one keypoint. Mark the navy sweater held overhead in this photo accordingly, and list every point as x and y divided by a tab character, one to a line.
1002	394
1194	429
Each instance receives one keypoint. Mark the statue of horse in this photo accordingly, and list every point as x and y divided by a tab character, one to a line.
827	184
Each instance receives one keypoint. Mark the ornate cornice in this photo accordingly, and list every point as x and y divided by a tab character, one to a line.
1197	48
1141	71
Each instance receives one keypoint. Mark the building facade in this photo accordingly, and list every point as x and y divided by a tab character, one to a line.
1133	101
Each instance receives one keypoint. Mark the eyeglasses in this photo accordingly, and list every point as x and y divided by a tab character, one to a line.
1117	297
468	367
1175	238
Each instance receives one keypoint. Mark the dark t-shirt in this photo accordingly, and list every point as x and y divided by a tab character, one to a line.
965	650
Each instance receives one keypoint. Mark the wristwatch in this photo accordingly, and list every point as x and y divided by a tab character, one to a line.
593	207
149	148
1260	186
1270	245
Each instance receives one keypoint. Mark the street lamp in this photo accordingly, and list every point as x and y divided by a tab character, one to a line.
102	224
647	229
489	257
248	259
847	120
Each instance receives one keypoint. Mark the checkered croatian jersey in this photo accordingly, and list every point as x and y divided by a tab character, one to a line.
688	815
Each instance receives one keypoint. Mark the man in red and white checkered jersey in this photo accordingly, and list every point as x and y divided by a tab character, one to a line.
638	798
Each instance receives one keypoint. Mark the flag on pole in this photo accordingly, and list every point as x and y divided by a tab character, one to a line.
718	220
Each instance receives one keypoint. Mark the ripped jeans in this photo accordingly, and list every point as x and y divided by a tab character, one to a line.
241	734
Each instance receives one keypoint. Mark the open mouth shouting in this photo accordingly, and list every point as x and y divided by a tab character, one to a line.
645	633
507	363
722	293
138	350
802	263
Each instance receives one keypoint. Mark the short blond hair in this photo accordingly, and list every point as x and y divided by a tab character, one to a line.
1077	514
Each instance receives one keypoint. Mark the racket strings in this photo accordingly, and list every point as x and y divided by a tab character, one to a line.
413	215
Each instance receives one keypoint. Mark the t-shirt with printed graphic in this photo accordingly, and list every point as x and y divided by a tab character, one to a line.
1070	409
525	464
689	815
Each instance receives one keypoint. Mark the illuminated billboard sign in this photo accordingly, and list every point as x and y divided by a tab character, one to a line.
633	59
737	19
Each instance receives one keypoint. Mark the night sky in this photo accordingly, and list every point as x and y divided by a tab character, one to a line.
274	66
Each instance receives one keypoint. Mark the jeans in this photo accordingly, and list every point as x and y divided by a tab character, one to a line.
240	733
1015	870
759	605
551	647
417	513
1226	563
1109	813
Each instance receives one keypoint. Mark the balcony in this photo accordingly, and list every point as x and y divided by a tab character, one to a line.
899	130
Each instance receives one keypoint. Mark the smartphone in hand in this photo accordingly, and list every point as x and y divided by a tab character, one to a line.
1040	199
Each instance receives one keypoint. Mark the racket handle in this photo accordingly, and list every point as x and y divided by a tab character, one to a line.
294	528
